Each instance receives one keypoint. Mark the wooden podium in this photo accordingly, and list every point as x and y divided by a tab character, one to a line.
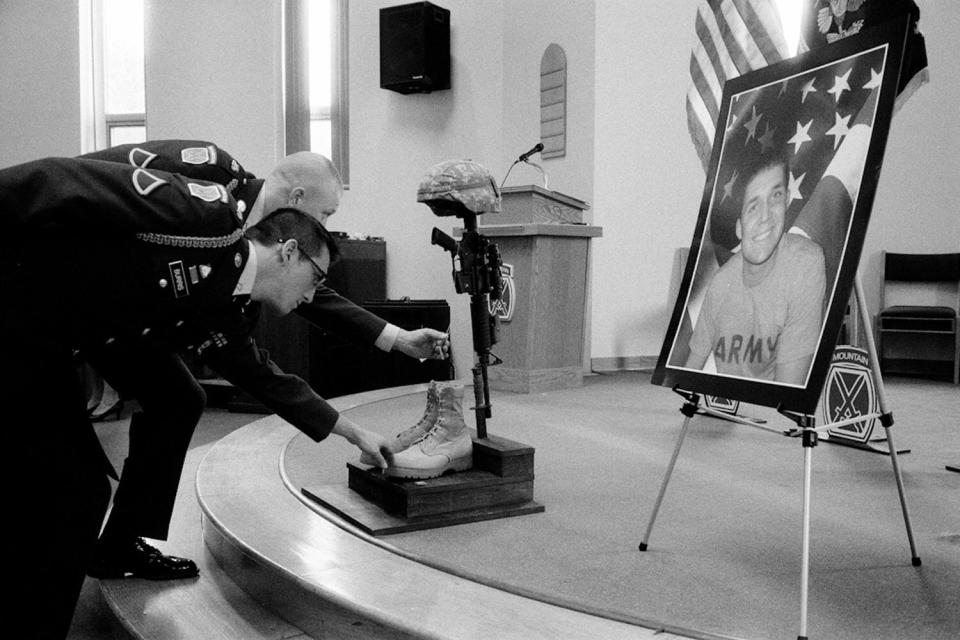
544	245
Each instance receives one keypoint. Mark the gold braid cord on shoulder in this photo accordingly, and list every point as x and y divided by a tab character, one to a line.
192	242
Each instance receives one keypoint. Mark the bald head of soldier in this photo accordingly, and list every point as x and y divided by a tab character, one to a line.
307	181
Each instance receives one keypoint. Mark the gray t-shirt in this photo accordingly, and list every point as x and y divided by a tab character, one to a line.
751	328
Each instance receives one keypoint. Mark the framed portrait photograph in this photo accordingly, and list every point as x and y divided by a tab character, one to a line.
793	173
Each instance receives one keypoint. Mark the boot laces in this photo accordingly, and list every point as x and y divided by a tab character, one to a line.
432	405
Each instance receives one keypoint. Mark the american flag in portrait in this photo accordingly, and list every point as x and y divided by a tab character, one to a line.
827	113
735	37
823	117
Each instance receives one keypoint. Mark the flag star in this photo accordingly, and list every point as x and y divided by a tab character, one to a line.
783	88
728	187
839	129
807	88
840	85
766	140
731	121
794	187
751	126
800	136
875	79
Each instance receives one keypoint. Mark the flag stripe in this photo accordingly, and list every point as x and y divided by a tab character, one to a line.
721	65
763	24
733	37
732	29
705	88
702	137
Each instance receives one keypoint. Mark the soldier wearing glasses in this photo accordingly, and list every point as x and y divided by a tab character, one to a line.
144	500
133	265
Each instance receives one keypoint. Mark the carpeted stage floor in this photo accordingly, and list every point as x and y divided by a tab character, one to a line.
724	554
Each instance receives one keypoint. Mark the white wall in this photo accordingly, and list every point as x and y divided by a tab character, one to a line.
213	72
917	206
528	28
648	179
39	80
395	138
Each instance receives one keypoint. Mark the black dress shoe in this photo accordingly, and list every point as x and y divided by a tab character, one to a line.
139	560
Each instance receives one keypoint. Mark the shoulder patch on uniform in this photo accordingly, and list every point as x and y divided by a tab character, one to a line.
145	182
140	157
197	155
208	192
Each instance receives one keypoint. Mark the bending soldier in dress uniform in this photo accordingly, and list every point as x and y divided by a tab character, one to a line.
170	398
100	257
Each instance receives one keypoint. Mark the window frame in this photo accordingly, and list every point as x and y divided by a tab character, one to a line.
298	113
96	125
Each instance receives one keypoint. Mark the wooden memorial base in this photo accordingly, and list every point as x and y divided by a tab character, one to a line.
499	485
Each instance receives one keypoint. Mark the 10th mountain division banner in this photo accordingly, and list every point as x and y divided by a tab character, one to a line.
782	220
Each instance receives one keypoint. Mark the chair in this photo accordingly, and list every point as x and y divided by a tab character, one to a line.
918	330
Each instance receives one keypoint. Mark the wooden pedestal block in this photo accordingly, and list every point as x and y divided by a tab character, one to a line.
499	485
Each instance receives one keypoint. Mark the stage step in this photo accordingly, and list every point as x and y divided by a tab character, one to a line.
331	580
210	607
274	567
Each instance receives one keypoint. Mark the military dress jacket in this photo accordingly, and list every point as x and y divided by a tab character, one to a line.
101	255
205	160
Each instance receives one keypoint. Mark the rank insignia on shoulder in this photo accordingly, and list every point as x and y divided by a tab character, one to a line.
234	166
208	192
145	182
178	276
198	155
140	157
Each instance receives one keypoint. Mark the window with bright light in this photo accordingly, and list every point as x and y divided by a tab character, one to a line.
114	103
326	34
321	57
791	15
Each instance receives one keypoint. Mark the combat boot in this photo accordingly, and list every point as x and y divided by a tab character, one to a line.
446	447
411	435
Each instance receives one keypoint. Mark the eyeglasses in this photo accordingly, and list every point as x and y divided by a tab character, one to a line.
320	276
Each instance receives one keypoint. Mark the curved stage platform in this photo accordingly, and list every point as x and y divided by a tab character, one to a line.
723	558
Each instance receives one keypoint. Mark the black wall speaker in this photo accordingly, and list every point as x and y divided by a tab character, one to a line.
415	48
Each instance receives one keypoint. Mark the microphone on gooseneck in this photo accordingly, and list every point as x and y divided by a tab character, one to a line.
537	148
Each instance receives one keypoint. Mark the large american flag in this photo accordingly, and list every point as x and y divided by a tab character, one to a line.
737	36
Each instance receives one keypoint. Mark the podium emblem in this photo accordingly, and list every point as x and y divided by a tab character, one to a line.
503	308
849	392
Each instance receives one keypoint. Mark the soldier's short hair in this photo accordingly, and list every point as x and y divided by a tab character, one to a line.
289	222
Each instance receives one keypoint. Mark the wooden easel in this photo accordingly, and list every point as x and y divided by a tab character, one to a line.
808	434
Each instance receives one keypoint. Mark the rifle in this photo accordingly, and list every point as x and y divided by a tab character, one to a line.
477	274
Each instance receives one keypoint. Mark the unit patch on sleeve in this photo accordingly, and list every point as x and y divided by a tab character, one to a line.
145	182
198	155
208	192
140	157
178	277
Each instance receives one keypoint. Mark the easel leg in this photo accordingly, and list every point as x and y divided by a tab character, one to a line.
809	442
886	418
914	558
689	410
